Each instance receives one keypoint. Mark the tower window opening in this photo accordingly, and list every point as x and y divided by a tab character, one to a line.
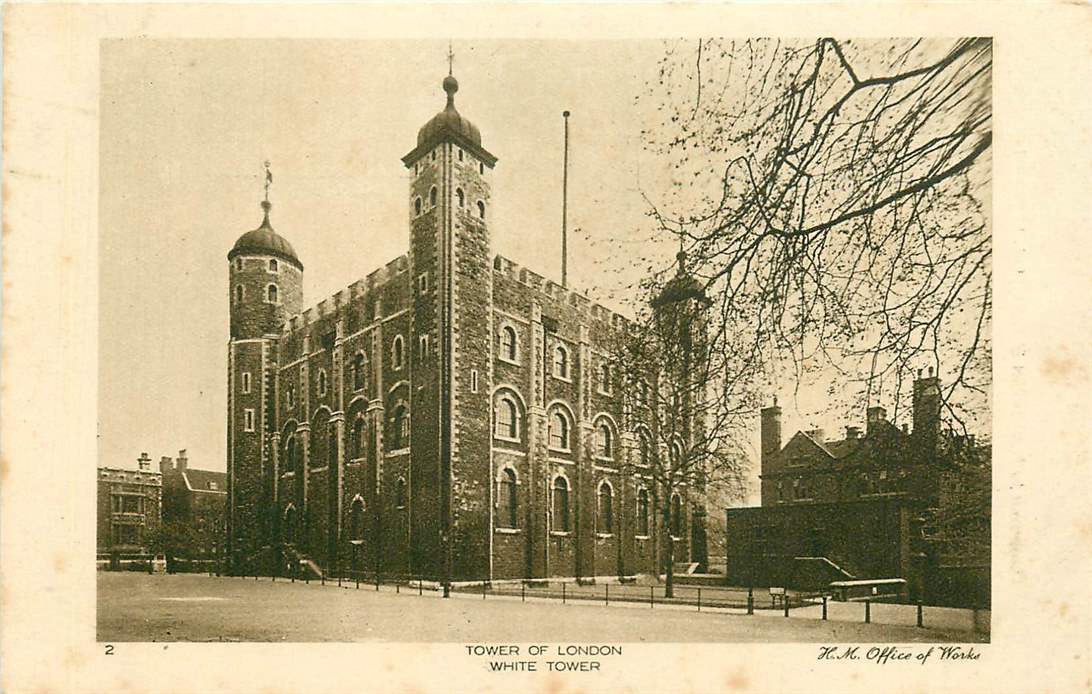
481	210
432	196
239	294
321	383
481	168
561	362
400	493
423	349
460	197
433	157
460	155
246	382
417	206
271	293
397	353
605	521
272	264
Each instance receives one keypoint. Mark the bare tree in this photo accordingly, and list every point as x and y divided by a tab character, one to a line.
687	400
832	197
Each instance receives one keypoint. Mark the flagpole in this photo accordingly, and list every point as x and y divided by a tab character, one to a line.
565	208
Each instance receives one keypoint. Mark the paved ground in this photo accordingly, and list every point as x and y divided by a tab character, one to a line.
193	607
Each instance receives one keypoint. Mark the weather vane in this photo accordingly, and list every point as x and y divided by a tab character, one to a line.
268	179
450	59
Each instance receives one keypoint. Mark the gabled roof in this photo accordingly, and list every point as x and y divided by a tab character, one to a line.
205	481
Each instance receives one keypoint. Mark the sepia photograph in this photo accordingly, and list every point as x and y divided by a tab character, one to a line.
691	325
546	348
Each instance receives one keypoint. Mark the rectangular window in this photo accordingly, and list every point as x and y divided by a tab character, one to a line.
126	534
248	420
246	382
422	283
473	380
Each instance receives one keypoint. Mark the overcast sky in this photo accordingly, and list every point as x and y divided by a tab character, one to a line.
186	125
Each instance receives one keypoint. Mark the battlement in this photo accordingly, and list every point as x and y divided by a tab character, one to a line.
331	305
552	290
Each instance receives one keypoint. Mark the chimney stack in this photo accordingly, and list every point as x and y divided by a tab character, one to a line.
853	433
165	464
818	435
144	461
771	431
182	460
926	407
875	415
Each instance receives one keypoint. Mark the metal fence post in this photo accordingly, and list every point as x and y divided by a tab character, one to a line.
606	593
358	580
699	599
338	579
652	597
323	578
377	581
750	600
921	620
523	592
867	611
420	586
562	593
824	607
398	587
483	590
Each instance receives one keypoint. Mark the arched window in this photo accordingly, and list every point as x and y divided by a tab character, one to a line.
481	210
460	154
604	441
400	493
400	430
605	521
604	378
676	515
238	263
506	415
289	397
358	371
508	343
356	521
238	293
561	505
289	524
676	454
642	512
422	348
506	499
561	362
272	264
397	353
481	168
460	198
417	205
295	458
360	441
321	383
432	196
271	293
644	450
559	430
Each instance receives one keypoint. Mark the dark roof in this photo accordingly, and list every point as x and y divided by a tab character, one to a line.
681	287
199	480
449	125
265	241
842	448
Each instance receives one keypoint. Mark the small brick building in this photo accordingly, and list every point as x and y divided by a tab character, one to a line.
847	507
129	508
452	415
196	499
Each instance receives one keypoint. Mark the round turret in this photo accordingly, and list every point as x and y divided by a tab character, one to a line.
265	282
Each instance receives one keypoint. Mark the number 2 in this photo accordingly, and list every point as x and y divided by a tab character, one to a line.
109	649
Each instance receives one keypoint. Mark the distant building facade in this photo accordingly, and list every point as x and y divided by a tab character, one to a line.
850	508
195	503
451	416
129	508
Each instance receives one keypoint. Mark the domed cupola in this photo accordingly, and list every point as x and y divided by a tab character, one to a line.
449	126
682	287
265	241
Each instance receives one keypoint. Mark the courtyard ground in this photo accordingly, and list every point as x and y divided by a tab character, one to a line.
194	607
